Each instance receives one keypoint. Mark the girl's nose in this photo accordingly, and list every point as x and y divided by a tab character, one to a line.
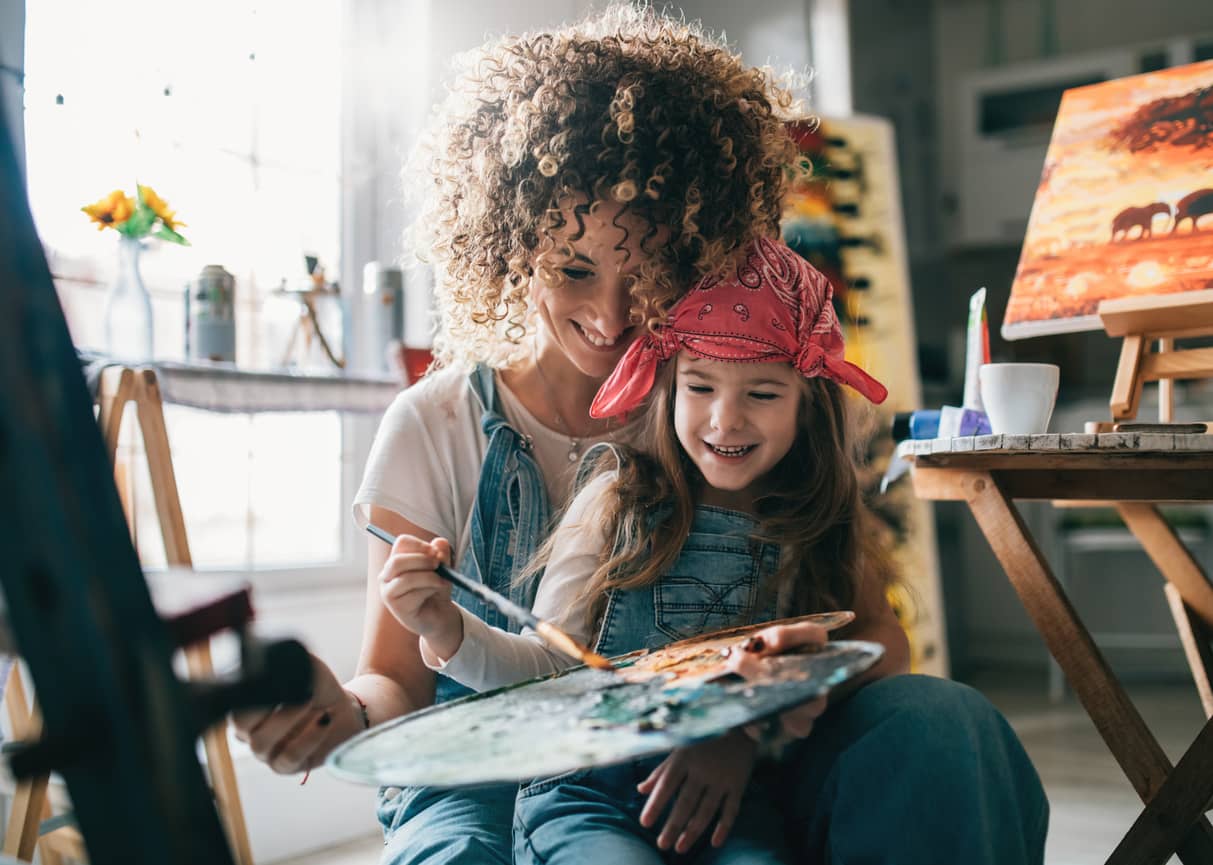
726	416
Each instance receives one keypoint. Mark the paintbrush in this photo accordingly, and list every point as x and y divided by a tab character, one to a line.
555	637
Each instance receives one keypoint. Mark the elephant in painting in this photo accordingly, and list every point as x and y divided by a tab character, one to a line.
1193	207
1142	217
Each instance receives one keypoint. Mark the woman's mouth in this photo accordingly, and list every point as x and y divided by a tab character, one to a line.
599	342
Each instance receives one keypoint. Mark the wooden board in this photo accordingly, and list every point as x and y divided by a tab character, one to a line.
654	702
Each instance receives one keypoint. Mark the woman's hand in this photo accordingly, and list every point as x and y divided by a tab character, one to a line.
709	778
795	723
292	739
419	598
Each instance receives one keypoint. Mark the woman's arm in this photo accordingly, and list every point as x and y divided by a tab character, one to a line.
391	680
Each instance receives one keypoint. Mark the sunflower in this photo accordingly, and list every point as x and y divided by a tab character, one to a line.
159	206
145	215
111	211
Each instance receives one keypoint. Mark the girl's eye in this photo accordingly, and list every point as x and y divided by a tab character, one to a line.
763	395
698	388
577	273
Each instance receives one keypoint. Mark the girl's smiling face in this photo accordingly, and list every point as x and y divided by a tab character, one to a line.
588	318
735	421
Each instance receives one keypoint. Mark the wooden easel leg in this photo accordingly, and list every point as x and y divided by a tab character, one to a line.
1169	555
1126	391
29	798
177	552
22	835
116	390
1166	387
1195	636
160	470
1116	718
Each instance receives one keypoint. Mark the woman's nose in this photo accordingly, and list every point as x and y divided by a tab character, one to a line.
612	306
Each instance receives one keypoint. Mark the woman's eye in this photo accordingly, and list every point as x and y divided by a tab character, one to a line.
576	272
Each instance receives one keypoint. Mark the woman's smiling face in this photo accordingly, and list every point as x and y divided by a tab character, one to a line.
588	317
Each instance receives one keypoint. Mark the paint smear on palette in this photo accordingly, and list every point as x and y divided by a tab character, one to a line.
656	701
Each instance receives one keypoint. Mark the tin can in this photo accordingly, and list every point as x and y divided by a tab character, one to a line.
210	309
383	305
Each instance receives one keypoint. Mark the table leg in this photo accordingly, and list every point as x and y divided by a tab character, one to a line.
1116	718
1169	815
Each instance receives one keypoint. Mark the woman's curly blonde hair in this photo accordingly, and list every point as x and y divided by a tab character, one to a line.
627	106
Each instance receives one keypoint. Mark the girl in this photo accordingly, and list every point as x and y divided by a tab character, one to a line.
739	505
575	181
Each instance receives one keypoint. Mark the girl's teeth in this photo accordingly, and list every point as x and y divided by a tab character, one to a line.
731	451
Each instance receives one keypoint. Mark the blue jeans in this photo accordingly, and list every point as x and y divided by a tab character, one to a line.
444	827
427	826
912	770
591	816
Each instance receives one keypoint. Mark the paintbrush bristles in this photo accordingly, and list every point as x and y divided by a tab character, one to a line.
562	642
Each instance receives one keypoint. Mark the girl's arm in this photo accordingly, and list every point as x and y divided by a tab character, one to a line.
482	657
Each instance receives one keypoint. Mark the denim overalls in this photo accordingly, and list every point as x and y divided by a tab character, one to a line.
509	520
716	582
912	770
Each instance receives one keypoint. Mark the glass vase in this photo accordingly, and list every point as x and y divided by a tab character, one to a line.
128	307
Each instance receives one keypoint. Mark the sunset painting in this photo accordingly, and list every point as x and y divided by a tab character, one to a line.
1125	201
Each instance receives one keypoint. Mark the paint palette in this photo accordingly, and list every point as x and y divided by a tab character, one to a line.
654	702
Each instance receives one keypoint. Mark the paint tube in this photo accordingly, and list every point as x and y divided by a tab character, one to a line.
977	349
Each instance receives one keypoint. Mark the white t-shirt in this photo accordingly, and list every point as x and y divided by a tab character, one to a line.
490	658
425	461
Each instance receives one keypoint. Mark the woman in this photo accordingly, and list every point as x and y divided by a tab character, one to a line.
578	180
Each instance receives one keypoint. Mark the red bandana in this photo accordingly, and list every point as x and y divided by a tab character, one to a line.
775	307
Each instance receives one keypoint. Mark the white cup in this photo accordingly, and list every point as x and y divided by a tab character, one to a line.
1019	397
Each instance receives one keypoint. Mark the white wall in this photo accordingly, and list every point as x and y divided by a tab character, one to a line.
966	39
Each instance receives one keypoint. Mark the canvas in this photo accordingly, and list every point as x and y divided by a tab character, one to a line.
1125	202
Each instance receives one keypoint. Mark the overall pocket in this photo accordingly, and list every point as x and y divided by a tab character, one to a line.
712	585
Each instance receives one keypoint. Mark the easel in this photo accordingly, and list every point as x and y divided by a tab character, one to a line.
120	385
1142	320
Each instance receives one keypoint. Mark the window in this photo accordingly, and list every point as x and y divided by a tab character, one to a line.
231	111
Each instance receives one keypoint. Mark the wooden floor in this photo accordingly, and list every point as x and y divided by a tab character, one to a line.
1092	803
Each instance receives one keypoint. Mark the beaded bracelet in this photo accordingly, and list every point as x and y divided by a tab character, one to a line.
325	719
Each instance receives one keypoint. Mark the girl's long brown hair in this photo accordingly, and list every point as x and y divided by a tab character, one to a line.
813	508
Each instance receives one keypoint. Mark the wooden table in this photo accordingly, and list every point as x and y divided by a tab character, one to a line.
1131	472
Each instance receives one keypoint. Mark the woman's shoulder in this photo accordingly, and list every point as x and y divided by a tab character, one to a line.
443	394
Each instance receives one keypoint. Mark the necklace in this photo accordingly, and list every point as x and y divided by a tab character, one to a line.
574	442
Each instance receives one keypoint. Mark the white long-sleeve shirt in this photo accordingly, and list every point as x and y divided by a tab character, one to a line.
489	657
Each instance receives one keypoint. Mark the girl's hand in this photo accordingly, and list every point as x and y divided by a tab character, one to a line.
419	598
710	778
795	723
291	739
